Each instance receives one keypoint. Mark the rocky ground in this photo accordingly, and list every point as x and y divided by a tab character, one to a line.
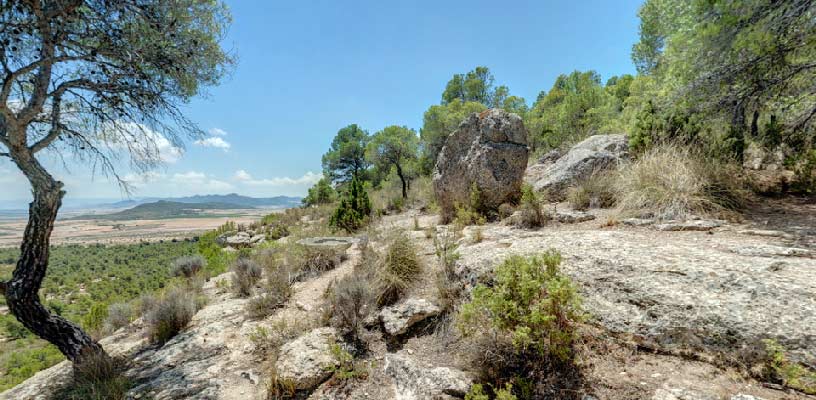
674	315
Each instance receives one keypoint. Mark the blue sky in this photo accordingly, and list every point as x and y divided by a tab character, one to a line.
306	69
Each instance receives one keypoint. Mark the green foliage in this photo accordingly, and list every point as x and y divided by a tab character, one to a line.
395	147
477	392
728	66
14	329
321	193
21	359
530	210
577	106
401	268
345	160
438	122
354	209
347	367
791	374
532	302
217	260
95	317
475	86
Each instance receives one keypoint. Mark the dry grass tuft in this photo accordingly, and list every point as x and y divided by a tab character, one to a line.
673	182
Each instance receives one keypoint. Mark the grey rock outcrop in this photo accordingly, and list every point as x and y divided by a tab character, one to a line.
414	381
306	361
595	153
398	318
488	150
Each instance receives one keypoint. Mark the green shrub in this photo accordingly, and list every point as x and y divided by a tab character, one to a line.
791	374
95	317
188	266
171	314
14	329
530	210
354	209
245	274
531	302
477	392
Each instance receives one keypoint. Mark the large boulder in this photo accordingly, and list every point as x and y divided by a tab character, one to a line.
307	361
595	153
489	150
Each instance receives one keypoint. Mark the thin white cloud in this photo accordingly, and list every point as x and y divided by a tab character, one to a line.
242	175
217	132
308	178
199	182
214	142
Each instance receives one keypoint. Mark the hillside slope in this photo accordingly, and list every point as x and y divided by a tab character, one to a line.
669	292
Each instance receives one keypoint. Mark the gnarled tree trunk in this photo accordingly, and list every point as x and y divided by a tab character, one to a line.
22	291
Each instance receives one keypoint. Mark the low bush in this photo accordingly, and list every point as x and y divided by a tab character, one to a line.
790	374
96	377
672	182
245	274
354	209
171	314
276	289
531	212
119	315
447	285
597	191
506	210
477	392
350	301
188	266
531	303
401	268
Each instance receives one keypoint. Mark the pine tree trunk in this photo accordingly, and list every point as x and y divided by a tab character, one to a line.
22	291
402	180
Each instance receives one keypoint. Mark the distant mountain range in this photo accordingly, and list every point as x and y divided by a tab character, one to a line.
232	198
163	209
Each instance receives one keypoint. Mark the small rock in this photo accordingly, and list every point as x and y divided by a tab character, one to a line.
413	381
573	217
693	225
398	318
637	221
771	251
745	397
306	361
681	394
766	233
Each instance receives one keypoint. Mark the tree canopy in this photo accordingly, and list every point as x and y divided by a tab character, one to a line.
395	147
95	80
346	156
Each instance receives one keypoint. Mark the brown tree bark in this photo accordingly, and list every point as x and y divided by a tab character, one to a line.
22	291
